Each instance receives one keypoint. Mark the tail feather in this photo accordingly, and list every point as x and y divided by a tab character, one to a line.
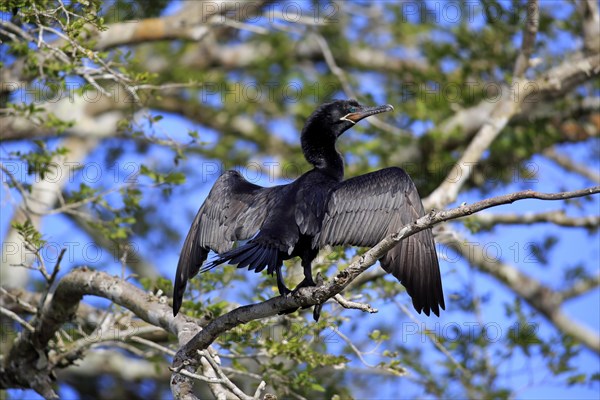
274	262
251	258
242	256
260	263
255	256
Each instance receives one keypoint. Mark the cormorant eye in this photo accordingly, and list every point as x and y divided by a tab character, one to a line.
352	109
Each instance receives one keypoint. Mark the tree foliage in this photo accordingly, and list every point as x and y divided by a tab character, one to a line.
116	118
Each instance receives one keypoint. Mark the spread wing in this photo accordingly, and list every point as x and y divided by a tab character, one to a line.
235	209
364	210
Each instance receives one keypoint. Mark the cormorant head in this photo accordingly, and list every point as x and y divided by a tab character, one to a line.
338	116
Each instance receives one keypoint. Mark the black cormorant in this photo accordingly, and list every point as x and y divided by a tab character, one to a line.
317	209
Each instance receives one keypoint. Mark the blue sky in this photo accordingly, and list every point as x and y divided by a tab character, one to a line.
575	246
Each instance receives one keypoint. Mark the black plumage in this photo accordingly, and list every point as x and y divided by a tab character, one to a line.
316	210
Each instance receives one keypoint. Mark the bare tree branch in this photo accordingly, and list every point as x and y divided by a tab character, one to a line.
558	217
581	287
349	304
529	33
28	365
591	24
227	384
193	22
448	191
570	165
87	317
113	363
8	313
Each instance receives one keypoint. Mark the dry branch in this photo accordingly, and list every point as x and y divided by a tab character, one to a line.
570	165
28	365
558	217
579	288
529	34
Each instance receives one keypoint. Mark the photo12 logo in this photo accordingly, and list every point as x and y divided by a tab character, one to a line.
87	253
253	12
456	12
454	332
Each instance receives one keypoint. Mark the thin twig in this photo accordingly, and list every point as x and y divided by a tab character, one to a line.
570	165
355	349
558	217
529	33
579	288
435	341
196	376
153	345
17	300
348	304
24	193
261	387
225	380
50	279
15	317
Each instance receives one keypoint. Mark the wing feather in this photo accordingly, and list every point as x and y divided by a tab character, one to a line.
235	209
364	210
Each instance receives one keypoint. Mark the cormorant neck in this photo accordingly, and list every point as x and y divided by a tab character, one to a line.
323	155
